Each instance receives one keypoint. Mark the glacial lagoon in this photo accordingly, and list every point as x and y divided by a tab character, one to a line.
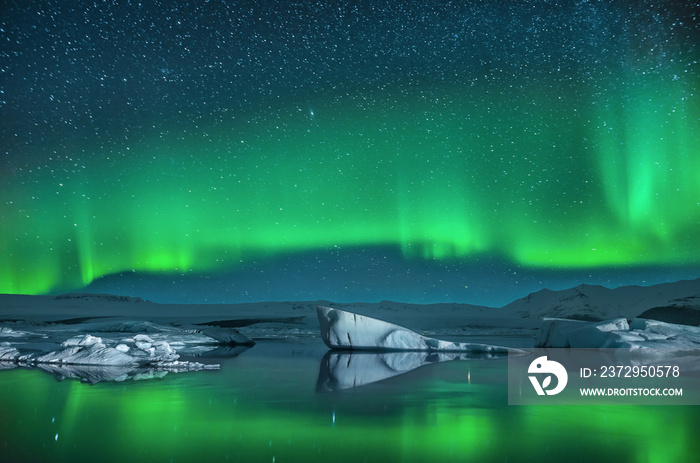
270	404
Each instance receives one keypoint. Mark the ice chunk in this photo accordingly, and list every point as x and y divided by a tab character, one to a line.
350	331
617	333
87	350
145	346
666	329
83	340
625	336
8	353
90	350
122	348
602	334
143	338
6	332
145	350
87	358
649	336
554	332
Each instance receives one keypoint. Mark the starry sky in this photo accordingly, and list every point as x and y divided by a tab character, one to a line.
422	151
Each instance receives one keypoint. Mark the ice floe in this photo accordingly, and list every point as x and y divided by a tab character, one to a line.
85	350
617	333
94	359
140	350
8	353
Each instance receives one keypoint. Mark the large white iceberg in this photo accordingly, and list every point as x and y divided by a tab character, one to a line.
350	331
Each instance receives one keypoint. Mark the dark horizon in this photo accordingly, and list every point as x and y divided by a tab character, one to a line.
349	277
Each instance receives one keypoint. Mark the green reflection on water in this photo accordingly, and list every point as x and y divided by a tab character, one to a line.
265	408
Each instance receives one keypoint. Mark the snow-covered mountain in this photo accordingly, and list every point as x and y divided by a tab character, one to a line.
677	302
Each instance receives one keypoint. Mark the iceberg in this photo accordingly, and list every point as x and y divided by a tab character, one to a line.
8	353
86	350
116	349
89	359
617	333
350	331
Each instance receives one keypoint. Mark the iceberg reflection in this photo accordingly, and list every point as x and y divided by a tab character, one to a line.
347	370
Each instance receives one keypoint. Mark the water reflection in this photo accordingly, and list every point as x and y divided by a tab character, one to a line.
345	370
96	374
263	406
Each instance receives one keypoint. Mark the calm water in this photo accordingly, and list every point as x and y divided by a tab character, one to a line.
264	406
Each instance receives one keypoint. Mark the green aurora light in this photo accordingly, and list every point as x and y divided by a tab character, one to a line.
546	174
454	420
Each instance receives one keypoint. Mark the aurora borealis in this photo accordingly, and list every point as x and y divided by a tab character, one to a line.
171	139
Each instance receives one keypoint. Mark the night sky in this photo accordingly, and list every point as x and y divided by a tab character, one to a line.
421	151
